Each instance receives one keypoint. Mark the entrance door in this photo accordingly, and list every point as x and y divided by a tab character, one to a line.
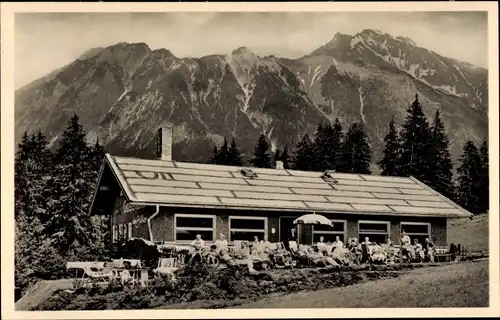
286	223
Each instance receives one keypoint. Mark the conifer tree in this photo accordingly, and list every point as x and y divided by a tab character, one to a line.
262	154
285	158
440	166
334	144
415	145
469	179
356	152
215	156
224	156
392	152
485	178
97	155
70	193
235	156
320	153
304	155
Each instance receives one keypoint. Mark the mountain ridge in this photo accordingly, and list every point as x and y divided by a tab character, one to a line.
125	91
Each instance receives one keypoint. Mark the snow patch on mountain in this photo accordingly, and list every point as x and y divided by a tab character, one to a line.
361	104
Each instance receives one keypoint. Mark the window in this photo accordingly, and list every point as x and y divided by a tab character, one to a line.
246	228
115	232
330	234
187	226
122	231
376	231
417	230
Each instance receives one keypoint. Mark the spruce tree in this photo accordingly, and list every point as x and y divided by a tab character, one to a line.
334	144
224	156
97	155
415	147
469	191
441	166
70	192
215	156
392	152
285	158
356	152
304	155
485	178
33	250
235	156
320	153
262	154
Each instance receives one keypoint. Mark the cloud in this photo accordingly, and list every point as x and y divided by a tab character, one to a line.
46	41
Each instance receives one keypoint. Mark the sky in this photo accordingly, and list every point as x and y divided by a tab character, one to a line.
47	41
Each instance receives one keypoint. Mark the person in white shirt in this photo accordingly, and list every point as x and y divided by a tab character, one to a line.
321	245
406	247
221	242
338	243
198	245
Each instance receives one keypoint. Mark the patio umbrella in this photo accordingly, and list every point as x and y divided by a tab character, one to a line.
313	219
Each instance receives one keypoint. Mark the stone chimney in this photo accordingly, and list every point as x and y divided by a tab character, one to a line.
279	165
164	151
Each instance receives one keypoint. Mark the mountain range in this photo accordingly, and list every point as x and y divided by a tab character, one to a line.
123	93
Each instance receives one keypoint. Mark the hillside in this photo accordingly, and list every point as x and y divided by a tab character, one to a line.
124	92
471	233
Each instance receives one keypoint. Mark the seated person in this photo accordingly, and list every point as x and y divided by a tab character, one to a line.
255	240
419	251
198	245
429	250
406	247
259	253
338	243
221	242
224	256
318	257
322	245
365	249
265	245
246	256
339	253
378	254
355	249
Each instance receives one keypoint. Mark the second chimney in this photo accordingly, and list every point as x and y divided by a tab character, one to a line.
279	165
164	151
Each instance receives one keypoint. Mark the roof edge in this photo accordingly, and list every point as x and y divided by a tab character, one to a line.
121	181
96	189
442	197
232	207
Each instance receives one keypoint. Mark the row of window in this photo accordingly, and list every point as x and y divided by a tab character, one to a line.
245	228
187	226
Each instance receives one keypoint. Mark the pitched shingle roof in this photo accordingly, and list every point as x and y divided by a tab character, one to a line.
168	183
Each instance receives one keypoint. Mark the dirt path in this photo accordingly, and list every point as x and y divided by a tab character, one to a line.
458	285
41	292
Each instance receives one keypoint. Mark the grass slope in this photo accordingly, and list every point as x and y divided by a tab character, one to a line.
473	234
458	285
